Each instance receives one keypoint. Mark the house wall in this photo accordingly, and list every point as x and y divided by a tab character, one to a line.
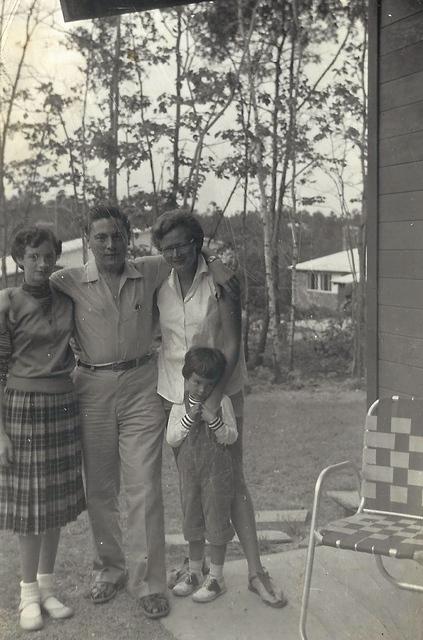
395	292
307	298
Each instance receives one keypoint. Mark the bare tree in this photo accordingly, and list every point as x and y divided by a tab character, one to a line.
10	97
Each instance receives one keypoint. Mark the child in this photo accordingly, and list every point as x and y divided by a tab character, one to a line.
205	471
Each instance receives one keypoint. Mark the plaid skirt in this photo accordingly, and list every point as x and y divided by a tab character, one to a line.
42	489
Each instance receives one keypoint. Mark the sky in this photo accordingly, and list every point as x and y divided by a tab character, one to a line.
52	60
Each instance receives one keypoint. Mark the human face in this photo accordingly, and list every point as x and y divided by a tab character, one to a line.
108	241
199	387
38	263
179	250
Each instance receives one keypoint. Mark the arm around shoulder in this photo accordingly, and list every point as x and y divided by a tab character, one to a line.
61	280
4	303
156	266
223	276
5	337
6	451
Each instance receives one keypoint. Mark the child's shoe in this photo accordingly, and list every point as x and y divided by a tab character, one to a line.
188	585
178	574
211	589
30	618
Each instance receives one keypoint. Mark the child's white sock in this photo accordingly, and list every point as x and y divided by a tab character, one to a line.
195	566
216	571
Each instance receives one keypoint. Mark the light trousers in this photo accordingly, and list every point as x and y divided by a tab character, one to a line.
122	435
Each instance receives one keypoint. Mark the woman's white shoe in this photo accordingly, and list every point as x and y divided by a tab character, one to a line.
49	603
30	618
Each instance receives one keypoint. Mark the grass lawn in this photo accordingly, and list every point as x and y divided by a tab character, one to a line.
289	436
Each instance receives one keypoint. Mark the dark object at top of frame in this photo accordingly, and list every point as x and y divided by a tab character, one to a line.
85	9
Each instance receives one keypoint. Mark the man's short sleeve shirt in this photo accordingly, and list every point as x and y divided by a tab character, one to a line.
108	329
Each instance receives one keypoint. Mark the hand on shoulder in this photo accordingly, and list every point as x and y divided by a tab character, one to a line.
4	301
224	278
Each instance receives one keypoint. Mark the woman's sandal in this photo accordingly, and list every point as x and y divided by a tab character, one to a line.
155	605
263	585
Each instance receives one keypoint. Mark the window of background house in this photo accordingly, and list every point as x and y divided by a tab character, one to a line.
312	281
325	282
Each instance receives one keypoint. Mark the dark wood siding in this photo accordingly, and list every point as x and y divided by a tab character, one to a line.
397	319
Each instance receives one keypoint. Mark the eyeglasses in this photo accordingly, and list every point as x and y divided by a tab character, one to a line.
178	249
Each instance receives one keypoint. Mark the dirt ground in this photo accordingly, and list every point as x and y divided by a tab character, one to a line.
289	436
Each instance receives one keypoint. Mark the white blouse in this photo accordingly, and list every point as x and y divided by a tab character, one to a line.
184	323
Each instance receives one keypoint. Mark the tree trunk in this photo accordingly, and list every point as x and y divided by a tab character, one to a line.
360	306
178	91
7	106
4	227
262	340
114	116
246	324
3	269
275	334
291	329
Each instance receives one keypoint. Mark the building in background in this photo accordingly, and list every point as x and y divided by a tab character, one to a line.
325	282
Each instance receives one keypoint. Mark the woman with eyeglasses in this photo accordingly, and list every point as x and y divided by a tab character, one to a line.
194	311
41	485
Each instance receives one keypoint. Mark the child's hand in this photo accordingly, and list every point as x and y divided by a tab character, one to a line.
195	412
207	414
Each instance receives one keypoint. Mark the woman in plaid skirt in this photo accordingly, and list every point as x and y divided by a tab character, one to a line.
40	457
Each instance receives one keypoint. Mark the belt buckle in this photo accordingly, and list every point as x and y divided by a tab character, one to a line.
115	366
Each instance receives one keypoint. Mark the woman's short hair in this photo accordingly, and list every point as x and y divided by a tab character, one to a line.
174	219
102	212
33	237
205	362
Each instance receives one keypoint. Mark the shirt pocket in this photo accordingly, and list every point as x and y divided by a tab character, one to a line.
134	304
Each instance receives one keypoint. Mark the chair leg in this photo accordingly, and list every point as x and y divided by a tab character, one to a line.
312	541
307	584
401	585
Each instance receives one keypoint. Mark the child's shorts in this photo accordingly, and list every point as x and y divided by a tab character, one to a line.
207	489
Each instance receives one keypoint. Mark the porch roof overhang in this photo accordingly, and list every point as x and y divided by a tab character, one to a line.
86	9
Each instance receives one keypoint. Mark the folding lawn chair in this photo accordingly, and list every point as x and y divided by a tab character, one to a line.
389	519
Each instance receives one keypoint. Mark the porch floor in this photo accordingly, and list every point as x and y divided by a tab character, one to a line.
349	600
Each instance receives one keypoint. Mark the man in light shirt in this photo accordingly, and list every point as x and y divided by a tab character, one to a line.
121	414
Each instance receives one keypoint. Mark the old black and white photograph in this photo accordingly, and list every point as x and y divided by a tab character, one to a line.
211	319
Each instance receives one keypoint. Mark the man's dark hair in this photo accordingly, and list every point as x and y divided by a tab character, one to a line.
205	362
102	212
174	219
33	237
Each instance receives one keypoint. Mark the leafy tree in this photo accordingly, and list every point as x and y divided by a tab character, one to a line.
14	98
347	129
283	100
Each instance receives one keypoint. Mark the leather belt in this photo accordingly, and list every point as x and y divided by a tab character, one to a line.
116	366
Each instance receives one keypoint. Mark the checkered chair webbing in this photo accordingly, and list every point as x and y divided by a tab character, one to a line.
389	520
392	483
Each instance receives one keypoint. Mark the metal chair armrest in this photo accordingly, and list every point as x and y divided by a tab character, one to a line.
319	487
